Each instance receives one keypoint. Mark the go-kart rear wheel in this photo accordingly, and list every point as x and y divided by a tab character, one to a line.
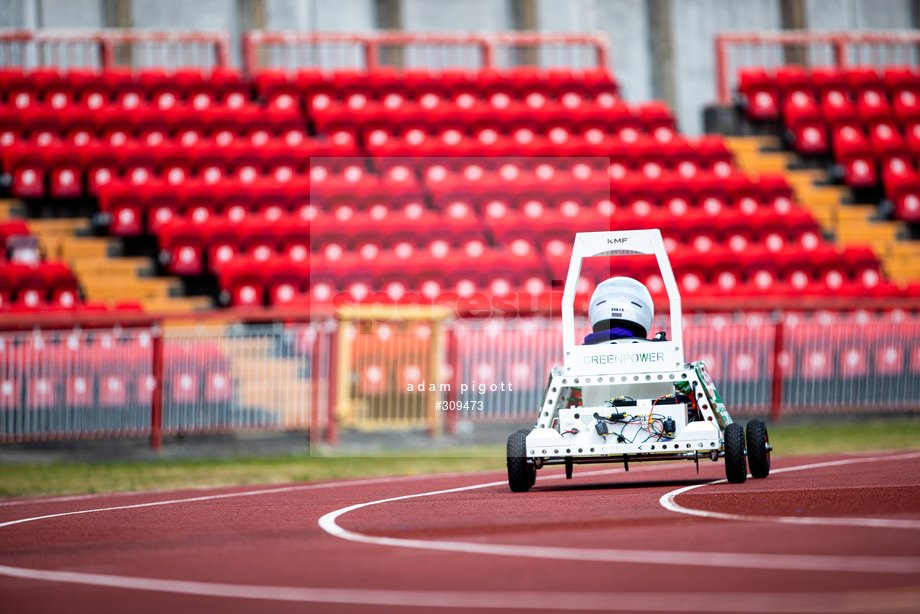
521	474
758	447
735	465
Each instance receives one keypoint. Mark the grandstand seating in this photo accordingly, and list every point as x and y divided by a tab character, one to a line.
30	284
293	187
27	283
869	120
310	188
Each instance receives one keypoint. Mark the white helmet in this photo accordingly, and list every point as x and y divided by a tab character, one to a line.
622	302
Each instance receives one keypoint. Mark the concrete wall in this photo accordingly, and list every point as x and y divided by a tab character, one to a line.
200	15
16	14
838	15
71	14
342	15
206	15
465	16
289	15
694	24
625	22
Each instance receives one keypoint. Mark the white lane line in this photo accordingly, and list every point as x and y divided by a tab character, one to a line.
250	493
867	601
668	502
132	493
555	601
281	489
798	562
66	498
690	602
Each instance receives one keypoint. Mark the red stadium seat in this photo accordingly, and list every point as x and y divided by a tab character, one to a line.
806	123
760	93
26	164
905	193
285	280
16	89
855	155
61	284
182	247
242	283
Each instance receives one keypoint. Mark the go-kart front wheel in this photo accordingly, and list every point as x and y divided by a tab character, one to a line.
521	474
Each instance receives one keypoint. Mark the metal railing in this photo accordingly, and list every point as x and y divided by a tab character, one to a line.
328	50
824	364
868	364
520	354
321	376
735	51
106	49
129	382
80	383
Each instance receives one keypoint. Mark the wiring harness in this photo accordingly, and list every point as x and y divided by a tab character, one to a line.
656	426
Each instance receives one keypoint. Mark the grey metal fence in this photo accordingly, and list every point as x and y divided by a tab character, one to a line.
519	354
98	382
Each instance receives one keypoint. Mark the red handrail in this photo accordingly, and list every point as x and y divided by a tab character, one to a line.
842	43
105	42
371	44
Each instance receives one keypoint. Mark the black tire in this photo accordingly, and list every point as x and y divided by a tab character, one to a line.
758	449
521	474
735	463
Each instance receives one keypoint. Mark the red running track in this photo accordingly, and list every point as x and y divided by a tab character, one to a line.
829	534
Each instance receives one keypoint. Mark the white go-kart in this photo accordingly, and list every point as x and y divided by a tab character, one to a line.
631	399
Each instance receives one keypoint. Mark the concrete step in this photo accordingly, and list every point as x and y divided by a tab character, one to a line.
824	210
903	271
810	198
881	247
760	162
865	232
88	247
902	261
808	194
115	267
906	250
810	176
856	213
850	224
176	304
105	287
59	226
11	207
752	144
52	234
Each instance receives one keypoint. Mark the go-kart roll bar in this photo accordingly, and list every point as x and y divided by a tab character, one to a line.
628	358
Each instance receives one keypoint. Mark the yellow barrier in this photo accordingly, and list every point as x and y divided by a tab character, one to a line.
388	367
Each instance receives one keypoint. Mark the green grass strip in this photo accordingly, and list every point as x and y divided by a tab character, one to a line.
59	478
